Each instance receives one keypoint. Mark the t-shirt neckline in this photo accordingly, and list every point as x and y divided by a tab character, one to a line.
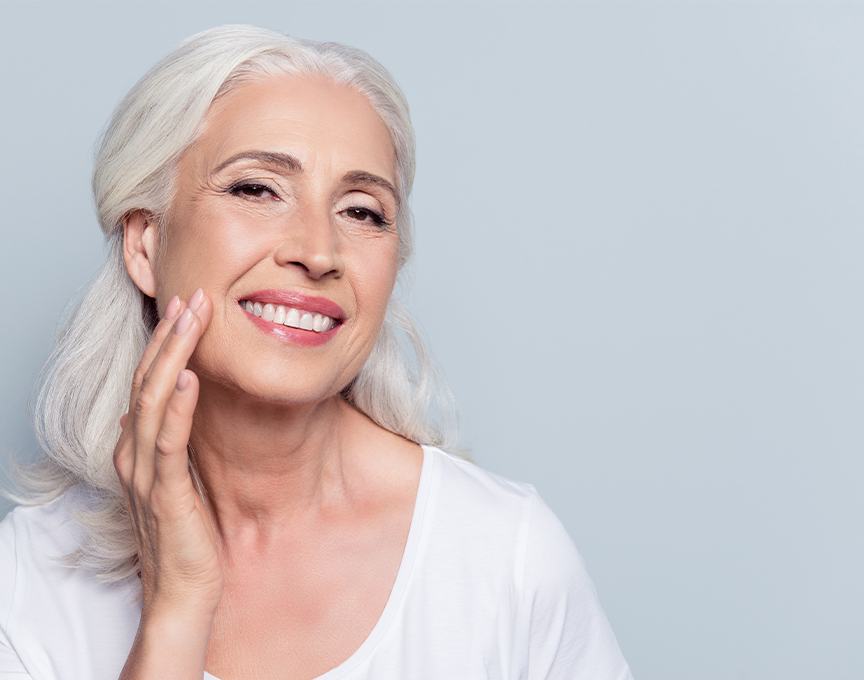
403	575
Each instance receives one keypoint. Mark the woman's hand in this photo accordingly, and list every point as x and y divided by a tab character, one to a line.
181	573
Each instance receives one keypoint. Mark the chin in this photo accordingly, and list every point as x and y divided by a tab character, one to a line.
277	386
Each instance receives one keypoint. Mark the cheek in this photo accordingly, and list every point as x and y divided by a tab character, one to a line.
226	234
217	247
219	354
372	261
374	287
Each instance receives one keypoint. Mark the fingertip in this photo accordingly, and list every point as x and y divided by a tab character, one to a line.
173	308
183	380
166	324
187	384
204	311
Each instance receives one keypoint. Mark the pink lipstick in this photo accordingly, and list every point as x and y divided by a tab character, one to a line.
301	302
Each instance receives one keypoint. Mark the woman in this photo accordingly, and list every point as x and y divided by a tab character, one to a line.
241	476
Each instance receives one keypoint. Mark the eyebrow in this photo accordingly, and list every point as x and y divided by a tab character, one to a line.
292	165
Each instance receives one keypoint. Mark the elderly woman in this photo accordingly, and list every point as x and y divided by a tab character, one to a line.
242	477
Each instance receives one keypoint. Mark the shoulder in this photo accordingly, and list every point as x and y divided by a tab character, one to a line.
549	559
478	496
465	476
33	538
473	524
45	528
546	554
54	615
516	552
567	630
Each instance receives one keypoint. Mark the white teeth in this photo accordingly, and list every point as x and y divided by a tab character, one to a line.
306	321
289	316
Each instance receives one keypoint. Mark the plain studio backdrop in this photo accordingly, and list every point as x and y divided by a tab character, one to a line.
638	263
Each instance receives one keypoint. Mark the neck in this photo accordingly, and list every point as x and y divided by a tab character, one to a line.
270	468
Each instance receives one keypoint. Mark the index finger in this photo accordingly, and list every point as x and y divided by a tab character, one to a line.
172	312
160	384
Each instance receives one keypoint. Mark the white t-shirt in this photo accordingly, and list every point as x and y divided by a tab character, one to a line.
490	586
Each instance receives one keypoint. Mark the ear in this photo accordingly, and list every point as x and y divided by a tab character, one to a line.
139	250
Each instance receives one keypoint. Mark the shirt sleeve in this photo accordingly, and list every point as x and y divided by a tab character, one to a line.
568	634
11	667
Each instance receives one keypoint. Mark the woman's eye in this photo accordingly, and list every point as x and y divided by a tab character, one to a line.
251	190
257	191
361	215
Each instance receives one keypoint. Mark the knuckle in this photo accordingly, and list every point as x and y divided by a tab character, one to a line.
141	491
164	444
165	504
120	471
145	402
158	499
119	460
138	378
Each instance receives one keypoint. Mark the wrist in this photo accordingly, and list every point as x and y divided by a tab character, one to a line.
169	643
187	625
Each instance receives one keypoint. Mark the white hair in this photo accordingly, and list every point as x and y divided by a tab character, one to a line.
85	383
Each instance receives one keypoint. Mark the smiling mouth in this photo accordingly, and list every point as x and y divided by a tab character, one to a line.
292	317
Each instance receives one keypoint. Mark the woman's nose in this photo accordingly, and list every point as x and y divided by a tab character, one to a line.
311	241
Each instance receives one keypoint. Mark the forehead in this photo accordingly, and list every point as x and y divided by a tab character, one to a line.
311	117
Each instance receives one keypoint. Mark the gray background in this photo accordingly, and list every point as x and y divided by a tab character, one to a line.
639	237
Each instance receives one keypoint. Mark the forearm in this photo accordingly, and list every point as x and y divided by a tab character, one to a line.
169	647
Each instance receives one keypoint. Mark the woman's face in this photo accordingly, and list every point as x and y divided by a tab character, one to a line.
284	191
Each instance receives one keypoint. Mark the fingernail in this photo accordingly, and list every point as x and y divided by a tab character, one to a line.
196	299
183	322
172	308
182	380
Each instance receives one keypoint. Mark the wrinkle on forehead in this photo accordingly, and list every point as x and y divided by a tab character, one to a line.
311	117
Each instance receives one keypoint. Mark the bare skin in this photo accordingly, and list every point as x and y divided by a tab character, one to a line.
287	570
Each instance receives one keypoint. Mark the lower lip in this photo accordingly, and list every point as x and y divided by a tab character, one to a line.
297	336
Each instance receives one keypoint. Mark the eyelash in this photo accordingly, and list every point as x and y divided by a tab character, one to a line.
235	190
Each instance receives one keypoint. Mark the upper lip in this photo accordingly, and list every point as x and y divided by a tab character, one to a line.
293	298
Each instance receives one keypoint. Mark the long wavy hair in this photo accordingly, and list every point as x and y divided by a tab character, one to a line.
84	385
